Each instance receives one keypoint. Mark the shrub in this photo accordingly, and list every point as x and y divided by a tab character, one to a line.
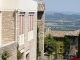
5	55
19	54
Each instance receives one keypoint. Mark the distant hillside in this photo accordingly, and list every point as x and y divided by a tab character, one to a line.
61	16
60	21
69	13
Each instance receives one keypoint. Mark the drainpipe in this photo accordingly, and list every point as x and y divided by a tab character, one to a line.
16	11
0	28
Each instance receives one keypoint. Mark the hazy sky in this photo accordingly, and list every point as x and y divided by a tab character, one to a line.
62	5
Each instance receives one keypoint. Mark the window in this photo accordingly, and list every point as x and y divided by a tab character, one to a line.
21	28
30	22
22	22
30	25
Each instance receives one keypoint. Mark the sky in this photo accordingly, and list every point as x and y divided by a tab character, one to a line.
62	5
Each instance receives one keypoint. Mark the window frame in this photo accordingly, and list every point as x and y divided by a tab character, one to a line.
21	23
31	21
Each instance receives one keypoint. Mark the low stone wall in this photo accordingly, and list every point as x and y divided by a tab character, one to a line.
11	48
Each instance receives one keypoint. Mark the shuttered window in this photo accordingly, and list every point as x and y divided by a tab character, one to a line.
30	22
22	22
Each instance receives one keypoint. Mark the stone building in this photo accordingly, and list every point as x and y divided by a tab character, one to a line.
40	23
18	22
59	37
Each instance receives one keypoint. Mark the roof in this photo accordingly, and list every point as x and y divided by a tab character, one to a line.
62	33
73	33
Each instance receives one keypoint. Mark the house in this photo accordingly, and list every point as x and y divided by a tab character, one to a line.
18	22
59	37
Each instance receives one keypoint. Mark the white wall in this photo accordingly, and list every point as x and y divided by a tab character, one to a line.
0	4
0	28
9	4
28	5
22	5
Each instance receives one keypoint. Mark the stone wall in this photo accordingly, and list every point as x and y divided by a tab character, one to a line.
8	26
33	43
11	48
41	33
29	45
40	21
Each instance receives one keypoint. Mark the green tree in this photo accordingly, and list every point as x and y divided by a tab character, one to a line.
49	44
67	43
78	54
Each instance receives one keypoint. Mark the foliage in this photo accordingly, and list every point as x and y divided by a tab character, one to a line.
5	55
38	52
49	44
78	54
67	43
19	55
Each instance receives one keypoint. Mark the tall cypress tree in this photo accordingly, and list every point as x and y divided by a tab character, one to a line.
78	54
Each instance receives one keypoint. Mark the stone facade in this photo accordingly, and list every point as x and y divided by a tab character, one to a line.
10	30
29	47
8	26
40	23
33	43
11	22
11	48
